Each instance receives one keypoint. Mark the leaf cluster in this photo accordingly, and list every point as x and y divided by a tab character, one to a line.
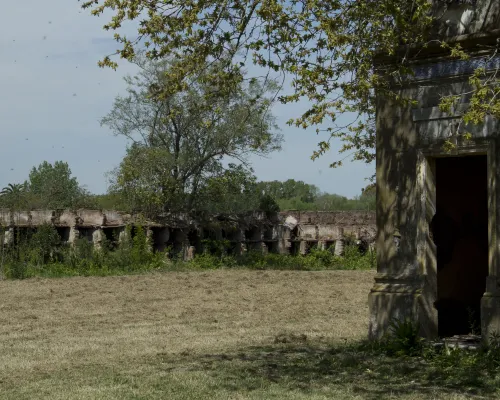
325	50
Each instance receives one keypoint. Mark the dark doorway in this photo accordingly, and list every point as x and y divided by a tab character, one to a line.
460	232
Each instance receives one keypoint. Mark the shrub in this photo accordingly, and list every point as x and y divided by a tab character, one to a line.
44	244
217	248
404	338
353	259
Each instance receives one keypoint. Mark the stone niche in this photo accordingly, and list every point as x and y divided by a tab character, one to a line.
437	233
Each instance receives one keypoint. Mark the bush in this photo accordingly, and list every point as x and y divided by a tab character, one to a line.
315	260
404	338
353	259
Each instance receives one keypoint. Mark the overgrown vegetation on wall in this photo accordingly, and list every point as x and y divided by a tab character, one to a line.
41	253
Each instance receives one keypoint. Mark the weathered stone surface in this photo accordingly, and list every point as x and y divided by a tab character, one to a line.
409	141
339	248
277	233
97	238
466	17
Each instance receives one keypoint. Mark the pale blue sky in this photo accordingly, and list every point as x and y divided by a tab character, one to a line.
53	95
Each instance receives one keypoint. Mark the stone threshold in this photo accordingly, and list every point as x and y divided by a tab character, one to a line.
464	342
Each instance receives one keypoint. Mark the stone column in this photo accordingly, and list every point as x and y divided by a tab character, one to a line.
339	247
490	303
264	248
124	237
9	236
284	243
244	248
97	237
190	253
149	240
74	235
396	294
303	248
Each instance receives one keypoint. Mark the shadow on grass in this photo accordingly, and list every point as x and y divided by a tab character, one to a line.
360	369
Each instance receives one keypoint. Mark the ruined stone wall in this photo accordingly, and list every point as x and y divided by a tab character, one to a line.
289	232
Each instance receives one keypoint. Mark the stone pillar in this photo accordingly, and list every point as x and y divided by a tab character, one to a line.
404	197
339	247
244	248
264	248
149	240
124	237
190	252
303	248
74	235
322	245
8	238
284	246
284	243
490	303
97	237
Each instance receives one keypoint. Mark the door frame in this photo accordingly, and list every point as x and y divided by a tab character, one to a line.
426	250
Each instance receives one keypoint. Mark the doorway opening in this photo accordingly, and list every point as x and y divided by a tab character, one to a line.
460	232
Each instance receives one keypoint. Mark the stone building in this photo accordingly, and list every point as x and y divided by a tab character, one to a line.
437	243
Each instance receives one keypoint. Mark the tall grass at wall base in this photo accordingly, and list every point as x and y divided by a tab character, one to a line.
315	260
40	254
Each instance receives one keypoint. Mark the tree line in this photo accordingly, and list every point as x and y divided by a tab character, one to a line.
52	186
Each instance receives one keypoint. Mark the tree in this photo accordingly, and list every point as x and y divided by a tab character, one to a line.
368	192
52	186
13	196
12	189
326	48
179	142
290	189
233	190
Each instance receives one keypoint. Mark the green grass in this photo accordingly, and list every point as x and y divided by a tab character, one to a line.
272	371
315	371
219	334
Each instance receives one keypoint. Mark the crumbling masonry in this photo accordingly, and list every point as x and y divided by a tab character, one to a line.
292	232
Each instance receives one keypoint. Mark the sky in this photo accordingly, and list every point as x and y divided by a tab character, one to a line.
53	94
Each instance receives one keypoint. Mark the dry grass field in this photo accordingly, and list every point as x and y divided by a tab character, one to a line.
226	334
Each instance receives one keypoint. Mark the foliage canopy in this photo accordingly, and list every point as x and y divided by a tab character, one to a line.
326	49
48	186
